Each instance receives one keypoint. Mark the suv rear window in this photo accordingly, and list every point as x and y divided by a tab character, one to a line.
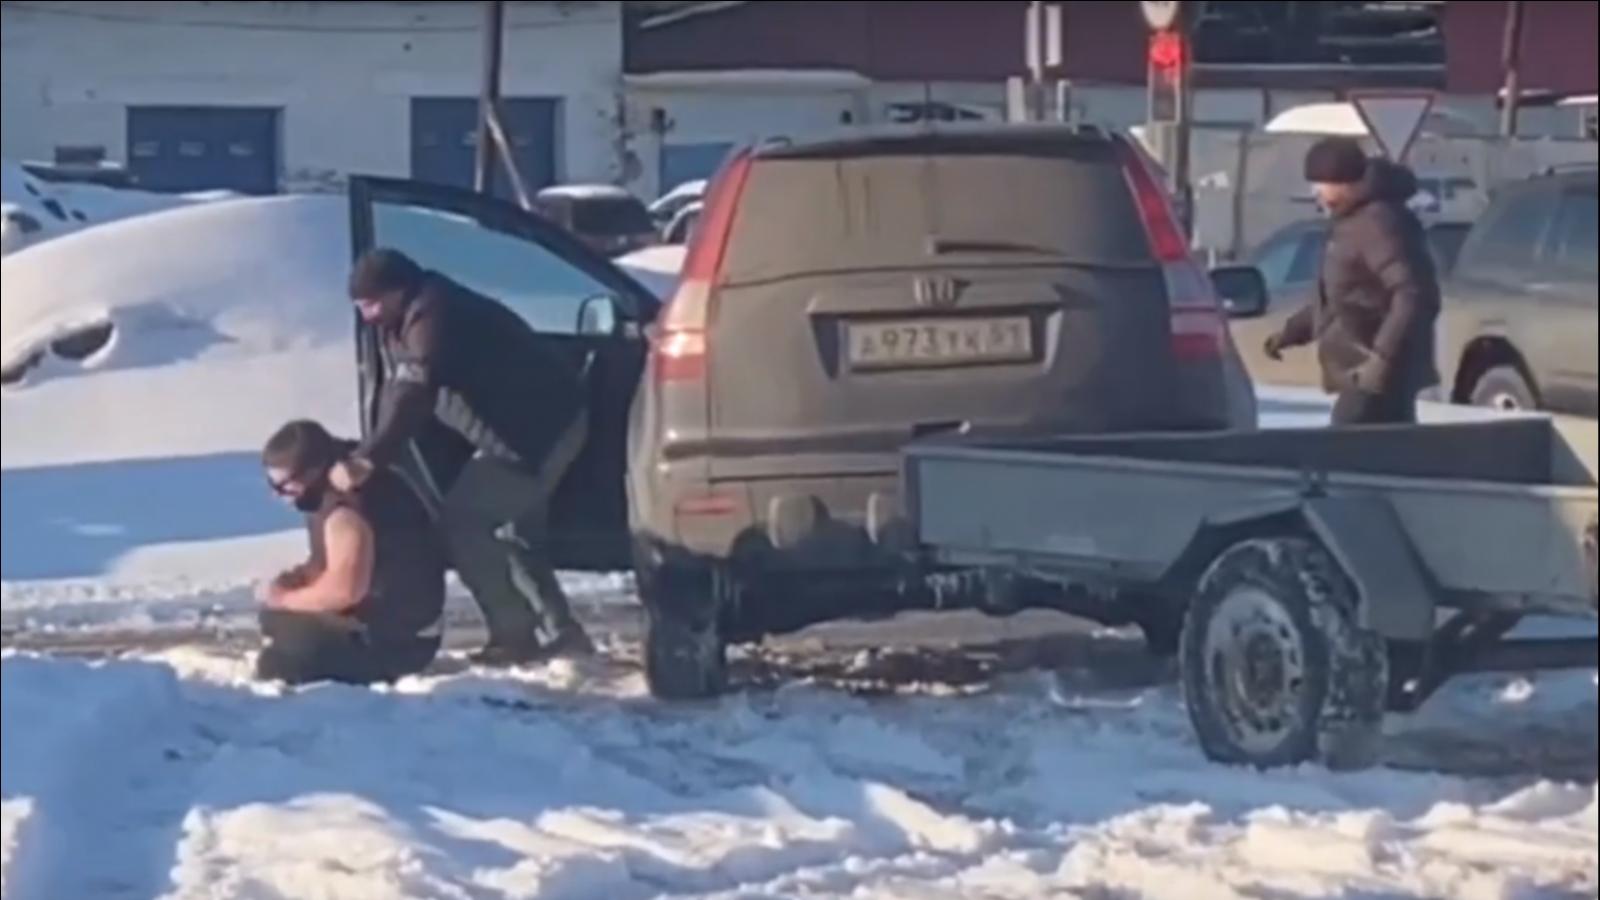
611	217
936	200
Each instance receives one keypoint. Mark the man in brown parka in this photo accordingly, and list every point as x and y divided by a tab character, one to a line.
1377	299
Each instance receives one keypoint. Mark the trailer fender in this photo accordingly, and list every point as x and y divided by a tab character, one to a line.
1398	595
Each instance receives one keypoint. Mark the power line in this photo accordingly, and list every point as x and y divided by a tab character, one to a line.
271	27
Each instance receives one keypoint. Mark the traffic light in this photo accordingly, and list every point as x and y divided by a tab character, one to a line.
1168	59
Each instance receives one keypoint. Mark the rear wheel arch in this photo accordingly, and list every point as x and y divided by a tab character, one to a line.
1483	355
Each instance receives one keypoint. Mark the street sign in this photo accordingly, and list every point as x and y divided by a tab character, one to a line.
1160	15
1393	118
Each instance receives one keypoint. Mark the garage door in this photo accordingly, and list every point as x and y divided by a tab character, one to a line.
691	162
444	133
179	149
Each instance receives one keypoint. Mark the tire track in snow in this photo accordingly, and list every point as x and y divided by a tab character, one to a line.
107	827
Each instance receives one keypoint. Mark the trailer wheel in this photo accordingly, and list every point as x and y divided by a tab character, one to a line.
685	656
1275	669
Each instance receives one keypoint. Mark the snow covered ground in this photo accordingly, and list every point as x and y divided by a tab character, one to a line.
132	499
174	777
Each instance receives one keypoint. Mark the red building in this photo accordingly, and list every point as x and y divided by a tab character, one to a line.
902	40
1559	46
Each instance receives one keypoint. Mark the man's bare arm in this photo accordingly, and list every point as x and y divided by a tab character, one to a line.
347	576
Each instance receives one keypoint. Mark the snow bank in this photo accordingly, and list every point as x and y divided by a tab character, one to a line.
190	783
657	267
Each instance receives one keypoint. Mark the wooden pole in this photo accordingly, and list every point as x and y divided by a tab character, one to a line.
489	96
1511	65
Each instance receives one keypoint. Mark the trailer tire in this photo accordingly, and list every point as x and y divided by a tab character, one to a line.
1276	670
685	655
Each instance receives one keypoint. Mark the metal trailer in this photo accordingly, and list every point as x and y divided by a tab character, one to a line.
1310	581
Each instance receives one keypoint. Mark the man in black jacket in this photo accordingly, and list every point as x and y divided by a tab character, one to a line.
367	604
1377	297
465	362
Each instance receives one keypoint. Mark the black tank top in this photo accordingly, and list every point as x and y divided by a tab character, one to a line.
406	598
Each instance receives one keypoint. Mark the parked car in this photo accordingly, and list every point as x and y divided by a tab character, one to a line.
1520	327
668	205
607	218
840	298
1289	261
681	228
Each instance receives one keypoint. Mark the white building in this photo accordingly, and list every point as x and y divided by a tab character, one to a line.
257	96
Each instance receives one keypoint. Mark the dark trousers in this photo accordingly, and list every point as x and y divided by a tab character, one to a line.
495	518
306	648
1391	407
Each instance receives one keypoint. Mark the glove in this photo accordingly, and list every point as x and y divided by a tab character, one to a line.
1274	347
1371	376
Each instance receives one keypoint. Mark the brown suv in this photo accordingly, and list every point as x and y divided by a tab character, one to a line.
1520	321
839	299
842	298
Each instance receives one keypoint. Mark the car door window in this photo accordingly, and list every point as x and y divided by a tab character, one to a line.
1289	264
541	287
1276	259
1574	234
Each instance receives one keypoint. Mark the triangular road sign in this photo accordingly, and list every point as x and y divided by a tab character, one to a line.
1393	118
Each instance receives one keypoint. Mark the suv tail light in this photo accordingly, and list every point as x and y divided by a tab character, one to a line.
678	352
1199	325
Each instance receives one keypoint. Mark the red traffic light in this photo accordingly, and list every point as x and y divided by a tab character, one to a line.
1168	50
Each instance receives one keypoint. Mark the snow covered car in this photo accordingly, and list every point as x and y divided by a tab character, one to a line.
238	280
37	209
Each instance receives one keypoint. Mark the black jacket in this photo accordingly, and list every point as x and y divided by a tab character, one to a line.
1378	289
478	368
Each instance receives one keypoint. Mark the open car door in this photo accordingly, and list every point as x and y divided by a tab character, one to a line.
585	307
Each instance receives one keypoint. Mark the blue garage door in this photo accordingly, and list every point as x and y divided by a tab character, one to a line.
444	133
691	162
177	149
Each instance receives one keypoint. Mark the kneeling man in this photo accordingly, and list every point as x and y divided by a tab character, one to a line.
367	604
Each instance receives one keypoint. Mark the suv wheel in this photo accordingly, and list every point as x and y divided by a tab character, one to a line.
1504	388
685	655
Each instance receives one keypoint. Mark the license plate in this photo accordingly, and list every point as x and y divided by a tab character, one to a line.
940	342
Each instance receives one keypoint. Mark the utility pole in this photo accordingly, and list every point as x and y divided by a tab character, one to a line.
494	41
1511	63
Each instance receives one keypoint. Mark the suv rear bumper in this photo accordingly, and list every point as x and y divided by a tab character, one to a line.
775	526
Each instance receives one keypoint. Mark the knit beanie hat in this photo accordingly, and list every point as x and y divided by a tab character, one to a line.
1336	160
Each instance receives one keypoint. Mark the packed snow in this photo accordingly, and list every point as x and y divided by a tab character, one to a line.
133	500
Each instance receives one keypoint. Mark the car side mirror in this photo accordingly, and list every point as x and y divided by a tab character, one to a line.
600	316
1243	291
